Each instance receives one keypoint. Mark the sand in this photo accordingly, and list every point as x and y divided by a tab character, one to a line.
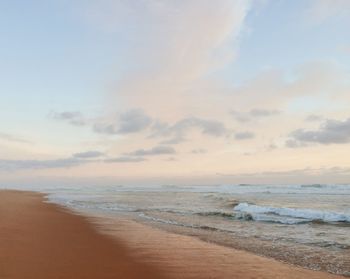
41	240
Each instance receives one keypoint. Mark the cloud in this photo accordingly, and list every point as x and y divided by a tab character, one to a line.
314	118
313	84
263	112
158	150
168	54
88	154
177	132
105	128
13	165
76	159
199	151
292	143
73	117
271	146
210	127
132	121
13	138
125	159
244	135
330	132
136	121
173	44
255	113
176	139
240	117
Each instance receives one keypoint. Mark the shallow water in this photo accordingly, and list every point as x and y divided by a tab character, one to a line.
307	225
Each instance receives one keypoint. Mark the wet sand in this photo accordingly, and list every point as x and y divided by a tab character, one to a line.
41	240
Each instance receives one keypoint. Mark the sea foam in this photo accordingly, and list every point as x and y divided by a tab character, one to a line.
288	215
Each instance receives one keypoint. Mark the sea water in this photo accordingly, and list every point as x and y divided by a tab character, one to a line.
307	225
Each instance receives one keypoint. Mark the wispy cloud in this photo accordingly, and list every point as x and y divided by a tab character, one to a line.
13	165
255	113
75	118
273	89
263	112
199	151
292	143
177	52
137	121
244	135
88	154
125	159
314	118
177	132
132	121
157	150
13	138
75	160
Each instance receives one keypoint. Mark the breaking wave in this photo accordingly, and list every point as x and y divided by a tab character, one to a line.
287	215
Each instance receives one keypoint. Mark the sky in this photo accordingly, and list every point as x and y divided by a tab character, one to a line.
174	92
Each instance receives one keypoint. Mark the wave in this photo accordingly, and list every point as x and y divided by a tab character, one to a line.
216	213
314	186
175	223
287	215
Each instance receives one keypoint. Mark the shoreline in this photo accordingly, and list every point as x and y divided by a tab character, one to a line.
124	246
294	255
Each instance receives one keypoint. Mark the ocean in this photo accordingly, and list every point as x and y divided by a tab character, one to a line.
305	225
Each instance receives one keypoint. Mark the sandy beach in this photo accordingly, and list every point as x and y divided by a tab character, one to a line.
43	240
